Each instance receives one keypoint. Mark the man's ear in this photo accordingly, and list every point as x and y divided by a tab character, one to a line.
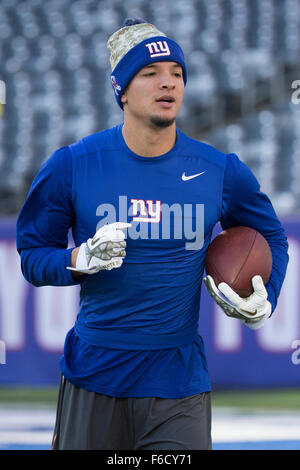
124	98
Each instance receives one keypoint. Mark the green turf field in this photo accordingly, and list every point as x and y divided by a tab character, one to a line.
28	395
263	399
254	399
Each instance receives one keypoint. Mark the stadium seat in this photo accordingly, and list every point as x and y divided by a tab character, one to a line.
241	56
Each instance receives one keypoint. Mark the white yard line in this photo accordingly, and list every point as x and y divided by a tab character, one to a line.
239	426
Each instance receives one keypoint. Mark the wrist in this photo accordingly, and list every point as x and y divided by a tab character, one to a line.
74	256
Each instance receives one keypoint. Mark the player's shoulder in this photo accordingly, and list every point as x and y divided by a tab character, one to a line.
93	143
203	150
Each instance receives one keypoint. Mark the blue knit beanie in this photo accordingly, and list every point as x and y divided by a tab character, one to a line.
136	45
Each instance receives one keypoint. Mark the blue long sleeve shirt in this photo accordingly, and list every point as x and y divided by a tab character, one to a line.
136	332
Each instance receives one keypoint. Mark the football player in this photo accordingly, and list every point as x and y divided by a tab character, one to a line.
134	373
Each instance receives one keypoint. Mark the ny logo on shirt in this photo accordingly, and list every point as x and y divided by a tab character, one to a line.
158	48
167	222
145	211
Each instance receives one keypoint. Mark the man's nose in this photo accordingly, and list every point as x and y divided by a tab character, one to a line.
167	82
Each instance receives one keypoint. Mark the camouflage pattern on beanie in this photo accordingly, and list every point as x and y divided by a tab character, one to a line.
126	38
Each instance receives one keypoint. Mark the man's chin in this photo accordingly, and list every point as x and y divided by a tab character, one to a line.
160	122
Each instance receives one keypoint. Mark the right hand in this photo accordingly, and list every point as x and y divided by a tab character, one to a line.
105	251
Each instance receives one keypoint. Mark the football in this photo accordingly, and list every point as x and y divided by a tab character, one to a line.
236	255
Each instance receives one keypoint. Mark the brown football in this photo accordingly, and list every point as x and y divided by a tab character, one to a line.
236	255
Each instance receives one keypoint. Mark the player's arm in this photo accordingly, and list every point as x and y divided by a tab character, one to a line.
43	227
44	222
244	204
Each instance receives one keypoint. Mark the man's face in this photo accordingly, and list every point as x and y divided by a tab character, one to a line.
155	94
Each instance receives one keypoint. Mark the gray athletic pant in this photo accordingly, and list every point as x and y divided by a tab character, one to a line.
92	421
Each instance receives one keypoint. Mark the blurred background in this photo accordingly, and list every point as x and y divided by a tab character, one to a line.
242	96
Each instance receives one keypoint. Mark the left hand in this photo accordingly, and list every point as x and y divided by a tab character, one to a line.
252	310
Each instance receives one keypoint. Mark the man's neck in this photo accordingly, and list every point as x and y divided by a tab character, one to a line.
148	142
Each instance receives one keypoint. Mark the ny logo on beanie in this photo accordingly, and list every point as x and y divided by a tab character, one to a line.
158	49
115	85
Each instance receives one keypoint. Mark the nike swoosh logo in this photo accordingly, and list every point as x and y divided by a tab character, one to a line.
94	241
187	178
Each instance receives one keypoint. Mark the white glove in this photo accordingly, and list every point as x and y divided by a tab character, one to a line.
106	250
252	310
